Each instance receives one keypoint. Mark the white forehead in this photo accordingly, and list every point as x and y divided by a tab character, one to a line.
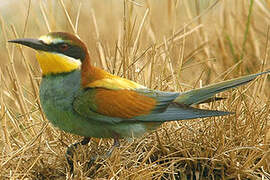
47	39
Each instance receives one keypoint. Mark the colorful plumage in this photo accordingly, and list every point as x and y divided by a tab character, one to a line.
85	100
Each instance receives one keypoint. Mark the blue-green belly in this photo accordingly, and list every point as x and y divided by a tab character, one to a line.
57	93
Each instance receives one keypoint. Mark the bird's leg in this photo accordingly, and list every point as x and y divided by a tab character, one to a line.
70	152
116	143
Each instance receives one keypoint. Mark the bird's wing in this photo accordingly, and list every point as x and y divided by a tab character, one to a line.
180	112
109	97
121	103
116	100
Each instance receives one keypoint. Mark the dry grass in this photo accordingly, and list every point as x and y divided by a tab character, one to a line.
167	45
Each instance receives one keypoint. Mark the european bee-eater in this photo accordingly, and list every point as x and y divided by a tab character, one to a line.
82	99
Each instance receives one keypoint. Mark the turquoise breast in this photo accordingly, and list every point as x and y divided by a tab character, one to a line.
57	93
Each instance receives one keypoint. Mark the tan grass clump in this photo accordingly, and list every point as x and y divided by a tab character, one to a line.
165	45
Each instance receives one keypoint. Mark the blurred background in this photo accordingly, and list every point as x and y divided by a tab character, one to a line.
215	37
172	45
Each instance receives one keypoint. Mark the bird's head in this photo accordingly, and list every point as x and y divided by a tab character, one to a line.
57	52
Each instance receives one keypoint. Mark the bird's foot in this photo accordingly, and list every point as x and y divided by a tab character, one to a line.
70	152
106	155
71	149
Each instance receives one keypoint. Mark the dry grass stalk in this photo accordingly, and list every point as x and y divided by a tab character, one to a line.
175	52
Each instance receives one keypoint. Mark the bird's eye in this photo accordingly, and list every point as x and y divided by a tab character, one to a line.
63	47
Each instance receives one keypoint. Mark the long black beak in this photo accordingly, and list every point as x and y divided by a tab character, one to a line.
32	43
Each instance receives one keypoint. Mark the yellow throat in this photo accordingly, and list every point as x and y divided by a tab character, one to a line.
53	63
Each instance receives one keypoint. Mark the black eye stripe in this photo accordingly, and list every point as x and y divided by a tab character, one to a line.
75	52
64	46
57	46
72	50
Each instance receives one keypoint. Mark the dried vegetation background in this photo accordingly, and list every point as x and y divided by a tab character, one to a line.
167	45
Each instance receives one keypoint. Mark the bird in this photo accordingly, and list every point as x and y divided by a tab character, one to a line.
80	98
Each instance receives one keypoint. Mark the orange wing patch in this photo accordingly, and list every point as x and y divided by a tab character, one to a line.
123	103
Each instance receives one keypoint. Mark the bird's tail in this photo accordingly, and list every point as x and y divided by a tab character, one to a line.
180	109
205	94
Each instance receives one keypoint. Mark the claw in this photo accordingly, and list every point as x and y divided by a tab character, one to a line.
115	144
